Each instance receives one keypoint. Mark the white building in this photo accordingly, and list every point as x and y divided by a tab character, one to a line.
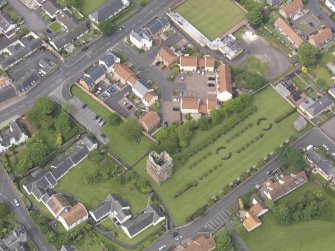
330	4
12	136
141	38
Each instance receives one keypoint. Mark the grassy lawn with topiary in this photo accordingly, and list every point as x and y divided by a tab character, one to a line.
209	169
308	236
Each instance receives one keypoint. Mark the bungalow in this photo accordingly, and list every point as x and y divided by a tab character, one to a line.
141	38
285	184
124	74
321	38
257	210
7	25
224	83
292	9
189	105
330	4
288	32
73	217
167	56
109	10
151	216
320	163
149	121
14	135
114	207
108	60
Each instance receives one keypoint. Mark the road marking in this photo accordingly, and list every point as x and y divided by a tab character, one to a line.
219	219
211	225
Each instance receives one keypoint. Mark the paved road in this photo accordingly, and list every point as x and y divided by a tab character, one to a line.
216	216
7	194
314	7
74	68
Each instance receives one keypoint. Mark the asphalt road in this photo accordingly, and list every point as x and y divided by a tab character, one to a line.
213	219
8	193
314	7
74	68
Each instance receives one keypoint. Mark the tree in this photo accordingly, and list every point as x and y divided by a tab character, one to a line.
42	108
224	241
292	157
184	134
67	107
4	211
114	119
63	124
37	151
282	214
216	116
255	16
106	27
203	123
73	3
132	130
307	54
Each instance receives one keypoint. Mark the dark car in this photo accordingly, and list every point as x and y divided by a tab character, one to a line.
129	107
176	109
158	63
211	78
49	31
175	234
320	17
84	48
103	136
96	117
311	24
210	84
165	124
84	106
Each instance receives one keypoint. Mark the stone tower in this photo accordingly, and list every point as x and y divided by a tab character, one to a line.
159	166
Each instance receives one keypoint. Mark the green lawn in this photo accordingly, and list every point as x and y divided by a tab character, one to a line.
129	151
88	6
307	236
270	105
92	194
55	26
213	19
256	65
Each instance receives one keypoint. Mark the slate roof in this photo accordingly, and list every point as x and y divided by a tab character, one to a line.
15	132
149	217
67	20
109	59
5	22
140	34
88	81
50	7
109	9
141	88
95	72
321	162
157	25
320	105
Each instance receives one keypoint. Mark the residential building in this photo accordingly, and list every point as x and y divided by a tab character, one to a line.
40	186
50	8
224	83
108	60
5	81
192	63
189	105
140	89
87	83
330	4
157	26
321	164
151	216
124	74
321	38
300	124
141	38
274	190
73	217
283	90
293	9
15	240
274	2
252	220
150	98
258	208
313	109
14	135
109	10
331	91
228	46
96	73
7	25
288	32
166	56
3	3
201	243
113	207
149	121
159	166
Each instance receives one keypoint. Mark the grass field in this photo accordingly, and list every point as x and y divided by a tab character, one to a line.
256	65
212	19
127	150
307	236
93	194
270	105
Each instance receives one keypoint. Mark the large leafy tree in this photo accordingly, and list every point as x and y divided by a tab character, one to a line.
255	16
292	157
106	27
37	151
115	119
42	108
307	54
63	124
132	130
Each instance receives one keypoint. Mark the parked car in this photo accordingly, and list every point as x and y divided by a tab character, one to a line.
129	107
157	63
175	234
102	122
84	106
211	78
176	109
211	84
85	48
103	136
162	247
165	124
16	202
96	117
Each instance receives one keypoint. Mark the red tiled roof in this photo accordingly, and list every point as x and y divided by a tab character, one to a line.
224	81
167	55
189	103
292	8
289	31
76	213
189	61
321	37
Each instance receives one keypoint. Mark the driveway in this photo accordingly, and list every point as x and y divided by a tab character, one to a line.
314	7
33	21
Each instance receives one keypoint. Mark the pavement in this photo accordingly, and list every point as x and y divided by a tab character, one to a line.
314	7
8	193
217	216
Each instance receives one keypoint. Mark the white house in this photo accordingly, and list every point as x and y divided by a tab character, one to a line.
330	4
108	60
141	38
12	136
7	26
73	217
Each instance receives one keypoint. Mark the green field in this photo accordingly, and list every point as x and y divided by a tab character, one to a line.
91	195
270	105
213	19
125	149
256	65
308	236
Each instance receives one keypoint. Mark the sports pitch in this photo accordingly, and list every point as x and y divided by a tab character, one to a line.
213	18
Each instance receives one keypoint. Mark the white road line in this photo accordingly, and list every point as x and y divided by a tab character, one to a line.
211	225
219	219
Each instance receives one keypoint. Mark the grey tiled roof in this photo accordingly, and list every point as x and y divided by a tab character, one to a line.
15	132
140	34
109	59
318	159
5	22
157	25
95	72
88	81
320	105
50	7
108	10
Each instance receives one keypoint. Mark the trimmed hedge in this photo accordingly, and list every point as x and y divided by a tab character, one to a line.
188	186
285	115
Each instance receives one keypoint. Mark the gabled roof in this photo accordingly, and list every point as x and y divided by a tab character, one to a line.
141	88
123	71
5	22
157	25
14	132
224	79
66	19
167	55
140	34
150	120
189	103
202	243
149	96
57	203
293	8
206	62
189	61
109	9
289	31
212	103
95	72
74	214
251	222
320	105
321	37
109	59
321	161
50	7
